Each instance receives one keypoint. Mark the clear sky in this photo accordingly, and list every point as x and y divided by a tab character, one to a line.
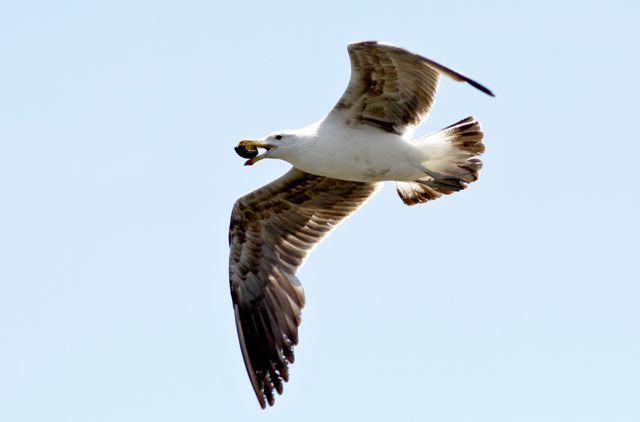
515	300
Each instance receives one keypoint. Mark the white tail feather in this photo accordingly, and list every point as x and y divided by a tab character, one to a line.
450	159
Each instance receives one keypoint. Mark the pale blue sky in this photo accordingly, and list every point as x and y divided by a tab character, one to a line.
515	300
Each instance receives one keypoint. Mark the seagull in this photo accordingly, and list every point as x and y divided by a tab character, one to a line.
338	163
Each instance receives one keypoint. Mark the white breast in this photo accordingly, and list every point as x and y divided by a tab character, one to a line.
363	154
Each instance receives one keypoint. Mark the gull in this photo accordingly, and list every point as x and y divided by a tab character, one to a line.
338	162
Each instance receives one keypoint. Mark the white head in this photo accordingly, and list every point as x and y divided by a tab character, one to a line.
277	144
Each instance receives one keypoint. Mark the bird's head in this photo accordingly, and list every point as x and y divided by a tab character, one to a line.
277	145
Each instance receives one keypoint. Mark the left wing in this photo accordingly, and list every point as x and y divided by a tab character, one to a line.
272	231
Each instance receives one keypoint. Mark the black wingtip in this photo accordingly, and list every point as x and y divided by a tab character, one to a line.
480	87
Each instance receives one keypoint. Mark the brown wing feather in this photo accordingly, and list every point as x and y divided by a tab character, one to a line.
391	88
272	231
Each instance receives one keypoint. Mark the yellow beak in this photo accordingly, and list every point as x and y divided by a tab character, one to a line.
248	148
252	161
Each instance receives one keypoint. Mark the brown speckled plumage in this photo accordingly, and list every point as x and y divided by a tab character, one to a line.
271	232
391	88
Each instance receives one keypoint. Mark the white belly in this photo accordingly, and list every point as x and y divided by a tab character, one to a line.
362	154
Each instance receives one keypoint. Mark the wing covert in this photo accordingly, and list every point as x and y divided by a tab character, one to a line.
391	88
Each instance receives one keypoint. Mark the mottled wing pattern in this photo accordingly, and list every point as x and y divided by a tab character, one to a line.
391	88
272	231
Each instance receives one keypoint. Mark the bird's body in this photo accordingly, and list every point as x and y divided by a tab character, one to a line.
338	163
360	154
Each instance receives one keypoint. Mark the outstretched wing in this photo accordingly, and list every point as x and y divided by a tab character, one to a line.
391	88
272	231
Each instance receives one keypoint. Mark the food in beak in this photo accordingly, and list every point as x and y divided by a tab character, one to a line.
246	151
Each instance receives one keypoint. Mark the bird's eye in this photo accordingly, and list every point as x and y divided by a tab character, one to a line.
278	137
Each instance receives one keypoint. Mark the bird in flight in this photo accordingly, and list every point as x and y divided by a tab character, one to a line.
338	163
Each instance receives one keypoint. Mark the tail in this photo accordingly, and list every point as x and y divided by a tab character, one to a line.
450	162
